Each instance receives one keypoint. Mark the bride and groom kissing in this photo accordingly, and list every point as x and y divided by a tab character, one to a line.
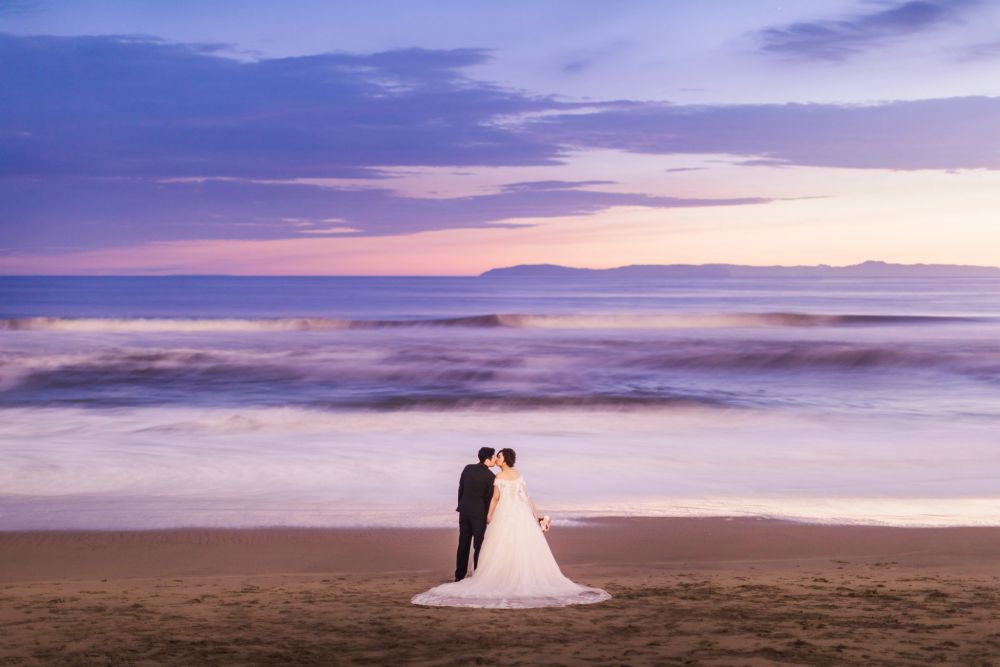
513	566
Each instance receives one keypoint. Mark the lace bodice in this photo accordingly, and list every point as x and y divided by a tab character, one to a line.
512	489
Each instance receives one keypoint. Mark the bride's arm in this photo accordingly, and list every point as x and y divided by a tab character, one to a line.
493	503
539	517
534	510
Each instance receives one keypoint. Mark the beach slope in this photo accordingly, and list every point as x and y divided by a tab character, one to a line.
686	591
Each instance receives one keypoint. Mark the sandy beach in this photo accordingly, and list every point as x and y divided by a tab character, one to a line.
686	592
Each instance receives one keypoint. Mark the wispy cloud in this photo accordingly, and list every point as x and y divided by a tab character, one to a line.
528	186
42	213
948	133
585	59
838	39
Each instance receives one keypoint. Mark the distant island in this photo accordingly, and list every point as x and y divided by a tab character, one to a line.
869	269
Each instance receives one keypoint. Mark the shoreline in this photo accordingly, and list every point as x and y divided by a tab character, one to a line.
634	542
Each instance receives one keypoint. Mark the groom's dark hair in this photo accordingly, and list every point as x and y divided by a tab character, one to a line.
485	453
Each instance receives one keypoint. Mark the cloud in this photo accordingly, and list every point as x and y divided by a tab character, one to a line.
551	185
838	39
121	140
948	133
139	106
118	140
53	215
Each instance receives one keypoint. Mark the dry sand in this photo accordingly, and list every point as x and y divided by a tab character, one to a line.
686	592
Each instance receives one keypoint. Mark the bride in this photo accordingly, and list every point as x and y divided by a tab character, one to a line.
516	567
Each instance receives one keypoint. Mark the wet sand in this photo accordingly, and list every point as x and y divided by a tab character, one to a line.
686	592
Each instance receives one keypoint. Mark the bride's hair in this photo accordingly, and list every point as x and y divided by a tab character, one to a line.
509	456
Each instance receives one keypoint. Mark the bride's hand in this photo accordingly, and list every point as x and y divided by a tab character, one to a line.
489	518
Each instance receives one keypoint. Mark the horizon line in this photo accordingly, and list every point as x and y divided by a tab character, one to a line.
475	275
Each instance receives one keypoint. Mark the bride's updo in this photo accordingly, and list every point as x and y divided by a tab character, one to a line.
509	456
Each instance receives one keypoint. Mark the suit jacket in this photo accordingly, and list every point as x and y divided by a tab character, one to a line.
475	490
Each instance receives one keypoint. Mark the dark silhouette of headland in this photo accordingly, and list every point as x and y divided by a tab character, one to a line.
869	269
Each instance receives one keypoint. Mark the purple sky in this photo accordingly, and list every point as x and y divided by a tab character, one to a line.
449	137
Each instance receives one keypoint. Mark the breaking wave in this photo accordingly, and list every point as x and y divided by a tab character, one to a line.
496	320
438	374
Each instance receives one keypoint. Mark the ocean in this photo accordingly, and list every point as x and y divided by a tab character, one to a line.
151	402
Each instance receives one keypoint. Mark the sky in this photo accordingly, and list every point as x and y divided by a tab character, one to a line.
448	138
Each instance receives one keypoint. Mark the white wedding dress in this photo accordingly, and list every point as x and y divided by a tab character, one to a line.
516	567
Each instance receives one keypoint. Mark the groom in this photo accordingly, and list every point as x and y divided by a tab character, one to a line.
475	489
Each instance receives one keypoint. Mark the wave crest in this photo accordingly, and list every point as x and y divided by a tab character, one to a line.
493	320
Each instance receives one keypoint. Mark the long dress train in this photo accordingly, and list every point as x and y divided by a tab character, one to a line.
516	567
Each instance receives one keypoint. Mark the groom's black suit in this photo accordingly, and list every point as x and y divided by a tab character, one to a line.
475	489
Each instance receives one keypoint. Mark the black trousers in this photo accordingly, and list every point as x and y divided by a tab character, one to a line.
471	529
